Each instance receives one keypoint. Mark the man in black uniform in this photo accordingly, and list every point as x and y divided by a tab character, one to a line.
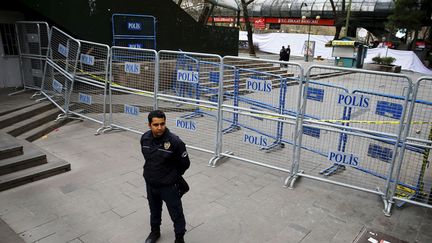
166	160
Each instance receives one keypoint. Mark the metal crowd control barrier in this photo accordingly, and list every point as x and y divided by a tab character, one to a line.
186	91
352	127
134	31
131	88
259	111
89	95
32	38
415	172
60	67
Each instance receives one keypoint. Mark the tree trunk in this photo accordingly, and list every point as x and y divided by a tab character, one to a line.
414	40
338	31
248	29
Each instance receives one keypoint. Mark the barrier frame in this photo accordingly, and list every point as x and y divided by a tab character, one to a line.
411	141
278	117
96	82
197	101
399	139
41	58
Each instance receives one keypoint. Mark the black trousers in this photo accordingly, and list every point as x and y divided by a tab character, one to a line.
172	198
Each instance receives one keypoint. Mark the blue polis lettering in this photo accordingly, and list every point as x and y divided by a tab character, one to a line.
87	59
353	100
63	50
258	85
187	76
255	140
132	68
86	99
134	26
135	45
342	158
57	86
186	124
131	110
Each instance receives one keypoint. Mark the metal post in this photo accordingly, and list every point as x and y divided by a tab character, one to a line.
307	47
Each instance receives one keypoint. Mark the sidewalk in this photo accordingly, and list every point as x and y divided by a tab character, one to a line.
103	200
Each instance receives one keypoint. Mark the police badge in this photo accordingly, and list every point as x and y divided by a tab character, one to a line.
167	145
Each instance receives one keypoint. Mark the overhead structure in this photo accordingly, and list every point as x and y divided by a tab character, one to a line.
229	4
323	8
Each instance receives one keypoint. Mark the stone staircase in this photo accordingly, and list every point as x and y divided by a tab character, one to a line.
21	161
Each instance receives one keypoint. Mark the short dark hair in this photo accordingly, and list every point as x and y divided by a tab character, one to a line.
157	114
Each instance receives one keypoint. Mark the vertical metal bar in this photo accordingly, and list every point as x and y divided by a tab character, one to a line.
298	131
401	141
20	56
156	80
218	149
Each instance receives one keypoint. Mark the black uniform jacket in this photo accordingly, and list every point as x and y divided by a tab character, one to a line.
166	158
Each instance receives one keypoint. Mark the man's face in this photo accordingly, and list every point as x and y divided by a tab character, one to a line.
157	126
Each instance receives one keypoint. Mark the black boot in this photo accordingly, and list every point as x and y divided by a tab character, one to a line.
179	238
153	236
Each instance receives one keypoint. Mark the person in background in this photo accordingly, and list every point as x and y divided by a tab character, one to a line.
288	53
166	160
283	55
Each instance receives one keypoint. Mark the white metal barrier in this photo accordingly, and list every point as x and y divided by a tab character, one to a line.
259	110
32	38
187	91
131	87
60	68
414	175
352	127
89	94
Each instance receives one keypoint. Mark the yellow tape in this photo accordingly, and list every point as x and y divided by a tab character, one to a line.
375	122
404	192
270	116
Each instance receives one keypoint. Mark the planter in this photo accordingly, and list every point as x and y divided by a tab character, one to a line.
382	68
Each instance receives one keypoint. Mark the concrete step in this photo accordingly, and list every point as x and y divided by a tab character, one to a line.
32	122
33	165
19	115
53	167
40	131
31	157
12	109
9	147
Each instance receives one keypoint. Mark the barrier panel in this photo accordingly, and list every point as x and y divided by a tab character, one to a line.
59	71
352	127
134	31
33	38
259	112
131	87
89	96
415	171
187	91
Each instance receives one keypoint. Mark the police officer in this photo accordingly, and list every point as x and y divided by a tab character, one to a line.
166	160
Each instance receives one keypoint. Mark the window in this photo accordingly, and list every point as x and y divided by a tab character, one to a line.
10	45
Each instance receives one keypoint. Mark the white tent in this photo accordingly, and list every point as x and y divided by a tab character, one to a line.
273	42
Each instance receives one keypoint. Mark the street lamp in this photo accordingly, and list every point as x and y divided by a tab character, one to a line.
309	31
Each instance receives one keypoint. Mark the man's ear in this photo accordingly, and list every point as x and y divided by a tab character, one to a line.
149	125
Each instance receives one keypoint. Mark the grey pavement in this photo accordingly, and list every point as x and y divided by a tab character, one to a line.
102	199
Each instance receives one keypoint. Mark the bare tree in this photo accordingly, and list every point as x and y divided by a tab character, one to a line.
338	18
248	26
